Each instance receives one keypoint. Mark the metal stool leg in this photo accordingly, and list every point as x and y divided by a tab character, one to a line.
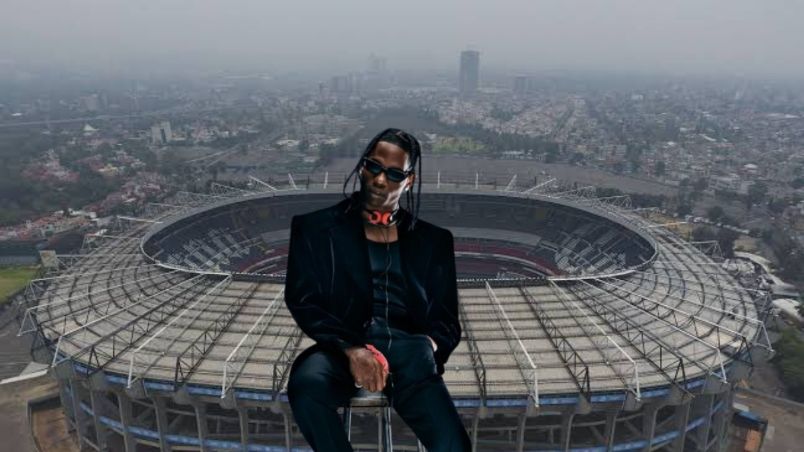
387	443
347	421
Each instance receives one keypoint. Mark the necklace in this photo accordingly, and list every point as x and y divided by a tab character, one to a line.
387	300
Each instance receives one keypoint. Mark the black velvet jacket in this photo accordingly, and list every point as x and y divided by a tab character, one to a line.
328	287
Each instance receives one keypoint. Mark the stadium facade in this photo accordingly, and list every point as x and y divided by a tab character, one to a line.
586	326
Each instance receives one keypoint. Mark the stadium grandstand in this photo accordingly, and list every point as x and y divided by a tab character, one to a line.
586	326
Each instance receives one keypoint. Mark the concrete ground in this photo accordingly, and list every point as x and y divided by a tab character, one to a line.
14	351
785	420
15	431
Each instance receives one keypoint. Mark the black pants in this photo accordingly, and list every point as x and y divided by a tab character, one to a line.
321	383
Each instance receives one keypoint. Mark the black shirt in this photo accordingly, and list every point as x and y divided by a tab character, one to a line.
388	281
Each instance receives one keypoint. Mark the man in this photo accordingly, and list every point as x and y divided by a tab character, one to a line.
371	282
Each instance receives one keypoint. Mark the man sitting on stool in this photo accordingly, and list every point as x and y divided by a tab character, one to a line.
366	272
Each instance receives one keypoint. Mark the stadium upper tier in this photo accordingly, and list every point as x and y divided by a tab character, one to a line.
519	237
189	297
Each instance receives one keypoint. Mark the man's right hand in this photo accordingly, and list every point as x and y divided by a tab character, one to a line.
366	370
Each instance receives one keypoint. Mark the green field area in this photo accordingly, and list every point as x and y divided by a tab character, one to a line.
457	145
13	279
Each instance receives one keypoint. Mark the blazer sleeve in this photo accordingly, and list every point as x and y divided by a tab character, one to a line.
305	298
442	318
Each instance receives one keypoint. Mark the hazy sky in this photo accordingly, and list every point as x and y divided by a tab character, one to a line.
754	37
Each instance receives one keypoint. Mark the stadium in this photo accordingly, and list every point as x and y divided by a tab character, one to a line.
585	325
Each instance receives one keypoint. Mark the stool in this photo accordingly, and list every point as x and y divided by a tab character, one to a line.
366	399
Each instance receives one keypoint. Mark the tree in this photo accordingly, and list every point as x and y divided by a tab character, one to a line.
715	213
789	360
683	209
726	239
634	164
756	193
703	234
576	158
776	205
660	168
700	184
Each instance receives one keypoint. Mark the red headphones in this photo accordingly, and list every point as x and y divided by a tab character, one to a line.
382	218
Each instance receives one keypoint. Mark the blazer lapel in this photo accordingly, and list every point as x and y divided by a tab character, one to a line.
348	242
415	256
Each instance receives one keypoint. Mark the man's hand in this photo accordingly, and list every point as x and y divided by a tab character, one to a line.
366	370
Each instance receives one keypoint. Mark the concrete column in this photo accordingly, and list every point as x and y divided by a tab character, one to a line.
101	432
127	419
611	424
566	430
682	418
702	432
475	425
288	432
66	400
79	415
721	419
649	424
520	433
201	424
160	407
242	414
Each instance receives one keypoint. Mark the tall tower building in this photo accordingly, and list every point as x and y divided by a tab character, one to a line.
469	75
161	133
521	84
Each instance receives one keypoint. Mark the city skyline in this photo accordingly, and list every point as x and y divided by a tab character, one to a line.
685	37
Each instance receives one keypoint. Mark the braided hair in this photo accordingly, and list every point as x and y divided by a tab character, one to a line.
409	144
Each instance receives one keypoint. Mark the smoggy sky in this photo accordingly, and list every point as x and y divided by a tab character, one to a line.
751	37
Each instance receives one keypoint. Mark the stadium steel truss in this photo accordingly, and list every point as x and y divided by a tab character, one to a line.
586	326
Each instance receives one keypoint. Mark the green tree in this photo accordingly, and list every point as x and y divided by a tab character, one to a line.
715	213
726	239
789	360
756	193
660	168
777	206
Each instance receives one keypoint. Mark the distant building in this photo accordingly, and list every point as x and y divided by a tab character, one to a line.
469	75
376	75
161	133
731	182
91	103
377	64
342	84
521	83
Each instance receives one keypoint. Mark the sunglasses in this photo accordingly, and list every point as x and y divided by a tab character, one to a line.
393	174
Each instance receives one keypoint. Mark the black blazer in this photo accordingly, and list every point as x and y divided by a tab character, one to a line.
328	287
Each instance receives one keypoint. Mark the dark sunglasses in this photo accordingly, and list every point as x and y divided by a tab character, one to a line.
393	174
